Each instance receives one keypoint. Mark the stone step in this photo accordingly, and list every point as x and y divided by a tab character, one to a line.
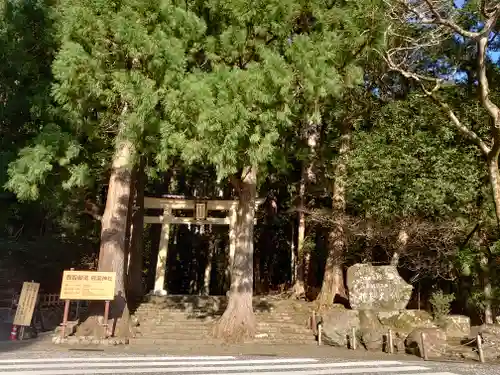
180	320
173	341
174	307
170	319
208	331
201	325
212	342
203	314
192	332
256	311
210	318
284	330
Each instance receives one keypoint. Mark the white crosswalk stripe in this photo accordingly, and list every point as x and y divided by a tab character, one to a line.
209	365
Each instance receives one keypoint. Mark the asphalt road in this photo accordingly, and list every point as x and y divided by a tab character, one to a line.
93	363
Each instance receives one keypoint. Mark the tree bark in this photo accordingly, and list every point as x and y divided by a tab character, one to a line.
493	172
487	289
400	246
208	266
307	175
333	280
113	257
238	321
135	289
494	181
299	287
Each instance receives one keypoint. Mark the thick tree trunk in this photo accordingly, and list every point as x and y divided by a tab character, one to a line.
238	321
299	287
112	254
487	289
135	289
401	244
333	280
494	177
307	175
208	266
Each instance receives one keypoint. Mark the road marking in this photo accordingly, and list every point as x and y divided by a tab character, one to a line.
206	365
115	359
309	370
262	364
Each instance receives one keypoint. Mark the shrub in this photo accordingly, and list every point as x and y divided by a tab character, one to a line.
441	304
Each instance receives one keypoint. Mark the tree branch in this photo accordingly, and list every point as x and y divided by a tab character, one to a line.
431	93
484	89
468	133
428	13
447	22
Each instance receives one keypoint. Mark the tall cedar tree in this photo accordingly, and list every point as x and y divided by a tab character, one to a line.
115	63
267	67
229	112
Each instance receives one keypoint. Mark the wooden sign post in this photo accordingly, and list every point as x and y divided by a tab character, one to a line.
26	305
90	286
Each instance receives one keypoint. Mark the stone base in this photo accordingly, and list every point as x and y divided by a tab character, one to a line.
85	340
159	293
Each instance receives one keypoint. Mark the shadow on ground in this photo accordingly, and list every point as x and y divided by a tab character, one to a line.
203	307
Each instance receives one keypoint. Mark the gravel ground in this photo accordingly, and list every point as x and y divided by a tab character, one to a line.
43	348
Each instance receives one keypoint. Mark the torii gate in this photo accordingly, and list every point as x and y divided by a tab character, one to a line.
201	209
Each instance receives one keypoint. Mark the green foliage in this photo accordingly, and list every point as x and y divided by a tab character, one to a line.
27	47
268	68
206	88
441	304
115	63
408	164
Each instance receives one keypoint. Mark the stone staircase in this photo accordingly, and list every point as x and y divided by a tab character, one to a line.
174	319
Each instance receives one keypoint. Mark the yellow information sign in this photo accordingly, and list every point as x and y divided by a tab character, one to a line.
88	285
26	304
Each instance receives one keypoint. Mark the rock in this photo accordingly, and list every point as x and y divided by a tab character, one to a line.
72	340
387	315
377	288
407	320
337	326
70	328
371	332
435	342
457	326
372	340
